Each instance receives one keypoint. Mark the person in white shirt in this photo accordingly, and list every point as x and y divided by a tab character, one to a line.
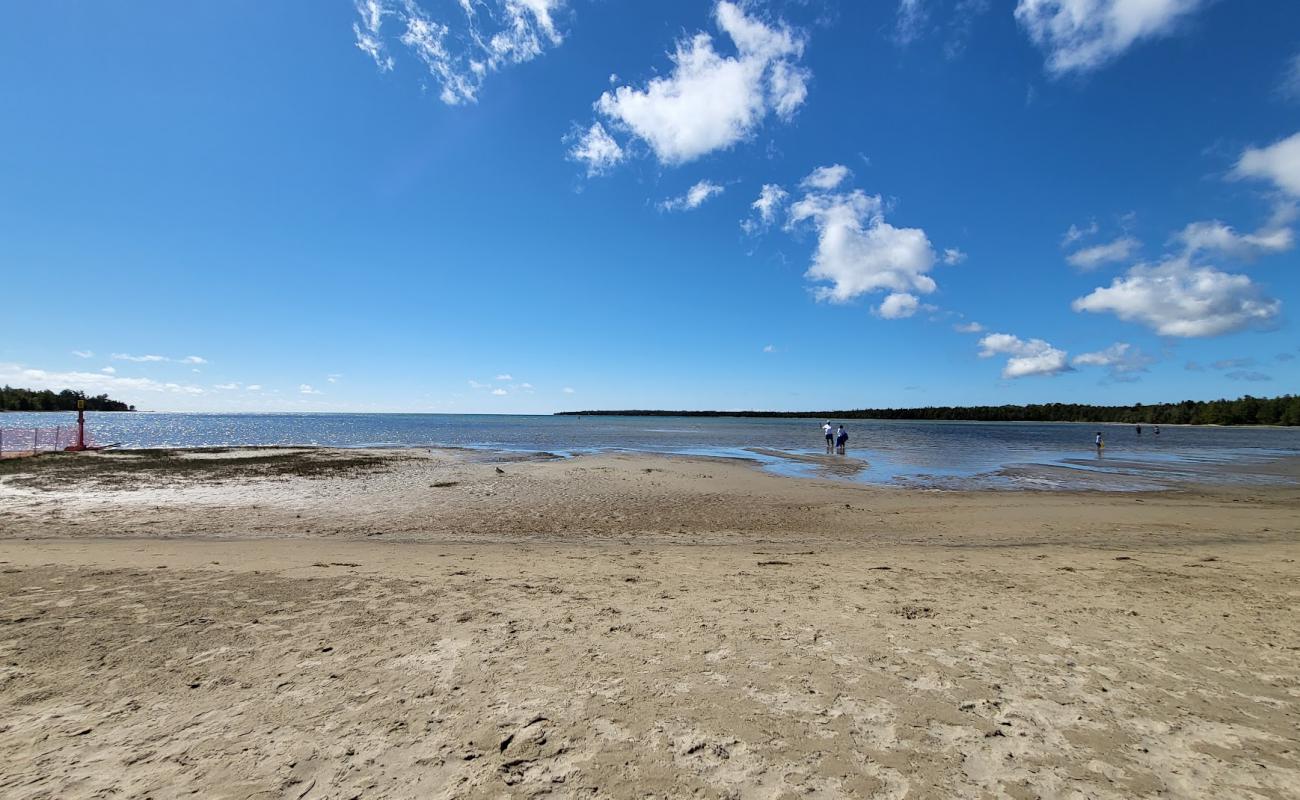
830	436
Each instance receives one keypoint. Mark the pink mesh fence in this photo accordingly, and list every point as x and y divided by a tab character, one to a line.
17	441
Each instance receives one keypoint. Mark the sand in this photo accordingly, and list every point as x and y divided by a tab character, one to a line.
343	624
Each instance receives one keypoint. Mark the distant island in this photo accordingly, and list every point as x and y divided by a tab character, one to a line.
1247	410
12	399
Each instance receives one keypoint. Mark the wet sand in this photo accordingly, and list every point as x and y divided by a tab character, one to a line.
379	624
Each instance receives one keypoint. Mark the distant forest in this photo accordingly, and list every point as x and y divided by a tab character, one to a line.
1284	410
12	399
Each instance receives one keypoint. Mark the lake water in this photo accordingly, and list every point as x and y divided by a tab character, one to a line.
926	454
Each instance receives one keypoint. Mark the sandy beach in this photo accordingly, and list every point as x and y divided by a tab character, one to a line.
316	623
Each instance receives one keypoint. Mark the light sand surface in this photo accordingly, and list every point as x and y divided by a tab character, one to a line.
425	625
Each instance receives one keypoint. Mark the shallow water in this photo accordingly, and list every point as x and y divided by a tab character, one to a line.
906	453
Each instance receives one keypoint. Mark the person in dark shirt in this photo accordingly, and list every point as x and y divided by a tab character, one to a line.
841	439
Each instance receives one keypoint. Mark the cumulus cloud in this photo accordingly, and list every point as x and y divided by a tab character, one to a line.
898	305
500	392
1081	35
1092	257
596	149
1026	357
1278	163
1275	236
459	53
710	101
858	251
108	370
952	256
89	382
694	197
1122	361
1177	297
968	327
306	388
826	178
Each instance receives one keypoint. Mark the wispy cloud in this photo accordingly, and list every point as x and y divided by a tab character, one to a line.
569	390
139	359
694	197
84	353
500	392
1123	361
505	376
459	50
1090	258
306	388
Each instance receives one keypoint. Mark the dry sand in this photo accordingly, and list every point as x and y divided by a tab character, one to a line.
376	624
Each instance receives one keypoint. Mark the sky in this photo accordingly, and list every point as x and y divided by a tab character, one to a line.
523	206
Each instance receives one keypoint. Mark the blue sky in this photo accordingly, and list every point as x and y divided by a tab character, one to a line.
534	205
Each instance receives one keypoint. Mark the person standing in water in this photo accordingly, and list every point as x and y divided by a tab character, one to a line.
1157	430
841	439
1139	430
830	436
1097	441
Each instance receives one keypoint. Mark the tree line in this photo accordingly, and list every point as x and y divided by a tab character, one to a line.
1247	410
12	399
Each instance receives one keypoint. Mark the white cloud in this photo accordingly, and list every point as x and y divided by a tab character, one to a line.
193	360
953	256
90	382
1032	357
968	327
694	197
334	377
1289	86
769	201
141	359
306	388
505	376
460	60
898	305
568	390
597	149
1212	235
826	178
858	251
254	387
108	370
499	392
225	386
1075	233
84	353
525	386
1122	360
1082	35
709	101
909	23
1179	298
1092	257
473	384
770	348
1278	163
